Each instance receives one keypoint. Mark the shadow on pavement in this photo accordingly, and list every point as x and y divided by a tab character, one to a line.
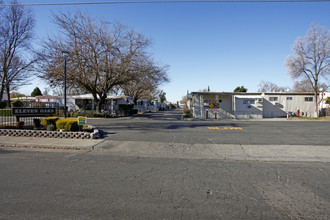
104	134
5	151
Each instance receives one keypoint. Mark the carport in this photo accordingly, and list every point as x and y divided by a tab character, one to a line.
248	106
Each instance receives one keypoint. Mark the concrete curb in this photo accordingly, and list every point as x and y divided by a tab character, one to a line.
49	143
85	148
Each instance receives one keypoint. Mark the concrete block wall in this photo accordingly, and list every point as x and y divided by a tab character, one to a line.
49	134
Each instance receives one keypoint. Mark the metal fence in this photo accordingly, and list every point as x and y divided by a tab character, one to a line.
8	120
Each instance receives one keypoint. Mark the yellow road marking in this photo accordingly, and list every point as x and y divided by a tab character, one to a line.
225	128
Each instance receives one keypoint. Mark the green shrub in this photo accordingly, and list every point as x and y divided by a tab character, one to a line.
36	123
49	120
17	103
62	108
187	113
84	113
72	126
90	114
3	104
98	115
125	109
5	112
51	127
68	124
19	124
60	124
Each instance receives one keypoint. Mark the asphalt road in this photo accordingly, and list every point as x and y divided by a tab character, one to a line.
165	127
89	185
49	184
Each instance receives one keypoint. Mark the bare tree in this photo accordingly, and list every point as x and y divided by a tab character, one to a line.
266	86
16	29
102	57
311	59
305	86
148	77
302	86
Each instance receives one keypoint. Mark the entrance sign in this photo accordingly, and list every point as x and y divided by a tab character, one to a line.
82	120
30	112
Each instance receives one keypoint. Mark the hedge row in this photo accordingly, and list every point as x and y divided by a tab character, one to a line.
68	124
55	123
49	121
5	112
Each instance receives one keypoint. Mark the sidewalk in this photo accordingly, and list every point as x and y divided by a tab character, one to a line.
217	151
281	153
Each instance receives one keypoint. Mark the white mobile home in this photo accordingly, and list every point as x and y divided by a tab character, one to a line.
142	105
86	102
250	105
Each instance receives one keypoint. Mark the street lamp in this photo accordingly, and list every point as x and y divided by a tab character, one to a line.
65	55
114	51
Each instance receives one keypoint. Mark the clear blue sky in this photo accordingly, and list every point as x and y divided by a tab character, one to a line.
221	45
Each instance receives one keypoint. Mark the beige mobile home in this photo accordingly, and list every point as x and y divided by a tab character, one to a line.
216	105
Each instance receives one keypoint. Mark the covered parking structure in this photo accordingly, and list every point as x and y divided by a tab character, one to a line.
217	105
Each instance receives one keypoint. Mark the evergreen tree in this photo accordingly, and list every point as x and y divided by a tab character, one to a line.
240	89
36	92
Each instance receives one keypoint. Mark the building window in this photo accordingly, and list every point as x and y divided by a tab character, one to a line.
248	101
273	99
289	98
308	99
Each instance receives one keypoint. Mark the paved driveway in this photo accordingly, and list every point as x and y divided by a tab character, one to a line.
166	127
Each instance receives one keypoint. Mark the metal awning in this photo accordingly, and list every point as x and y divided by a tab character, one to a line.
248	96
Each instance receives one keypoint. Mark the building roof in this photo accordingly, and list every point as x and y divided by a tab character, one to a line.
84	96
252	93
248	96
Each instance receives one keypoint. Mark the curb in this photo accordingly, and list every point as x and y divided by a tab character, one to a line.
47	147
50	134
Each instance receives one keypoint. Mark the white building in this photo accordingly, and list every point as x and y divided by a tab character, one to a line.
250	105
324	104
142	105
86	102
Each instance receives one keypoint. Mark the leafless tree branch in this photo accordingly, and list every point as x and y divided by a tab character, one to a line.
311	59
16	33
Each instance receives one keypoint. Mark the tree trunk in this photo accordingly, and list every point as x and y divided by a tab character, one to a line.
8	95
99	107
135	100
100	102
316	105
2	88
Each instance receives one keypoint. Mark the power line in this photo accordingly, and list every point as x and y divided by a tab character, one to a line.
166	2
